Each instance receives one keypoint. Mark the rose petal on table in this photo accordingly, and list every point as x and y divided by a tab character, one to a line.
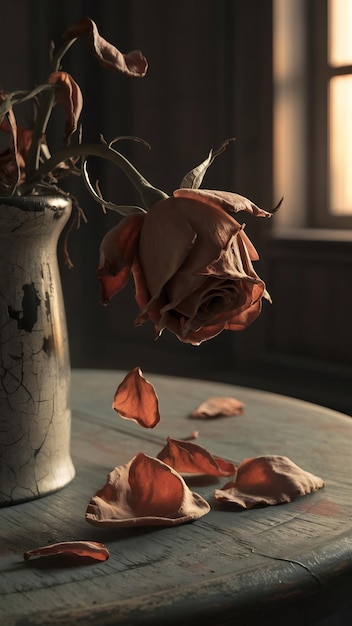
144	492
136	399
218	406
191	458
268	480
90	549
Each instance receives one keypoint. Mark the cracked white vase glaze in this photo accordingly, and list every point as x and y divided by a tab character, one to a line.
35	417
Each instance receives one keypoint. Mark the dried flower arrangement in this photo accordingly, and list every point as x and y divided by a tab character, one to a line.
208	284
191	262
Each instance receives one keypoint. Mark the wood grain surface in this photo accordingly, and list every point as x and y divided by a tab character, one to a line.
274	565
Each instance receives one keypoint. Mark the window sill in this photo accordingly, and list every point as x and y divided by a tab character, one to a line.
313	234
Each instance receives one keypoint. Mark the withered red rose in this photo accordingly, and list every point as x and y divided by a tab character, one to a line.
191	263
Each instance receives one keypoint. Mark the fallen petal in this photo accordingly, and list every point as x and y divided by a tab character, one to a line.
268	480
190	458
136	399
144	492
218	407
90	549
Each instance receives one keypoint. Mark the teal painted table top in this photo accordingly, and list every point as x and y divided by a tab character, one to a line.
273	565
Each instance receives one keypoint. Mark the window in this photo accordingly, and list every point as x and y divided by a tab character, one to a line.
340	105
313	112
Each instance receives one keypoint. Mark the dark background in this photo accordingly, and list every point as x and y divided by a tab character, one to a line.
209	78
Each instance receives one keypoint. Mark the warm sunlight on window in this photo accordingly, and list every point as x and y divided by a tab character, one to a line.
340	106
340	32
340	139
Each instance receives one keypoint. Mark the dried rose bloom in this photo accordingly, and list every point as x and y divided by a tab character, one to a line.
191	261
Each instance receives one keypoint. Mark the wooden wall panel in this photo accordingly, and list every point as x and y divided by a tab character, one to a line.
312	300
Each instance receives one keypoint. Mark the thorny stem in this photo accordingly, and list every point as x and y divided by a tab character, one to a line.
148	193
44	113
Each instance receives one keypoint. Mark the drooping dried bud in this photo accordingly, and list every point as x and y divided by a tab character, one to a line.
69	95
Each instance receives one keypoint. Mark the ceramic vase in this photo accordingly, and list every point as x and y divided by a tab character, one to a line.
35	417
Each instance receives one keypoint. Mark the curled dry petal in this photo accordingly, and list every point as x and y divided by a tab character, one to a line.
145	492
133	63
186	457
69	95
225	200
117	253
13	160
136	399
88	549
218	407
268	480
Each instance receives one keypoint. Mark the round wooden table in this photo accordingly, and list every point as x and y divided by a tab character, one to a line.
284	564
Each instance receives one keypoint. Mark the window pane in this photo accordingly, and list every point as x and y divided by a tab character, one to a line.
340	140
340	32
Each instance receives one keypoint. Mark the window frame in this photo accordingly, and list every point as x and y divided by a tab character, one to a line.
301	131
319	74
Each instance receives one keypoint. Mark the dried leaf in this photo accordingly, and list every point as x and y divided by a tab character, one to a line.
144	492
88	549
194	178
69	95
218	407
133	63
13	159
136	399
190	458
268	480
